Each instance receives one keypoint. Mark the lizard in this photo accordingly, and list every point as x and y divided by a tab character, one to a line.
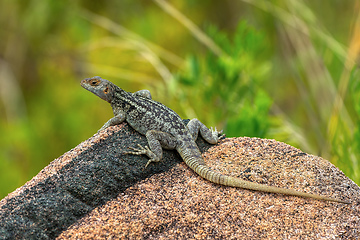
165	129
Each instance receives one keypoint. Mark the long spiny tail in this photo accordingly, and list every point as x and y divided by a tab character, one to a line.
204	171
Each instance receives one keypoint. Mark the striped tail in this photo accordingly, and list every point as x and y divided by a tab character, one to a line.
198	165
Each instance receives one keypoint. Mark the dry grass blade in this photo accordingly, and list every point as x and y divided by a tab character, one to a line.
116	72
200	35
352	53
138	42
299	24
123	32
11	94
301	27
142	49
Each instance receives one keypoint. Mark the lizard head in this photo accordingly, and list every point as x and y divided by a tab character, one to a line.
98	86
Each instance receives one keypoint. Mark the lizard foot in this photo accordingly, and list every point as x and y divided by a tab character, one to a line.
139	151
146	151
217	134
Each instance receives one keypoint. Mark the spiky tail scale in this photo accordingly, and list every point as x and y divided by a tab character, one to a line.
198	165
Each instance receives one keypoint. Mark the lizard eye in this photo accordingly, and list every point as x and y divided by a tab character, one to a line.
94	82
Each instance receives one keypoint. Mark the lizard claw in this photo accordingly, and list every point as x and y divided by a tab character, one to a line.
147	164
217	134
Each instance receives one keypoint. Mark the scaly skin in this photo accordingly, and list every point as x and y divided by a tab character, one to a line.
164	128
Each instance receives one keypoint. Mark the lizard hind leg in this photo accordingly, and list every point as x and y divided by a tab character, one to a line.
210	135
157	140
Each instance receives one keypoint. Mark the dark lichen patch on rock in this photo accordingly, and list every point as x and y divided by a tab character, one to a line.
71	186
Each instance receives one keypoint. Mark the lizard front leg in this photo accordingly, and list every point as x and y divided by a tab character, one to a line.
210	135
157	140
119	118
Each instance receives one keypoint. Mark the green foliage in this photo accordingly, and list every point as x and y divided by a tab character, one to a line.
253	118
228	87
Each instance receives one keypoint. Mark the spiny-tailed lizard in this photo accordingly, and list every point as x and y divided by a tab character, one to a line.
164	128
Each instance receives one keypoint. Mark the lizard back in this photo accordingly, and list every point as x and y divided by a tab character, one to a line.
145	114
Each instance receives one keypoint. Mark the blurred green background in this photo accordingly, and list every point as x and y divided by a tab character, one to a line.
286	70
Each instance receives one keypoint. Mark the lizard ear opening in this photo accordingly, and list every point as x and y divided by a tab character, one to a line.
106	90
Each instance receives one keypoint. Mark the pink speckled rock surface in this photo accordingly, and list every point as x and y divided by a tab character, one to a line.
97	192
